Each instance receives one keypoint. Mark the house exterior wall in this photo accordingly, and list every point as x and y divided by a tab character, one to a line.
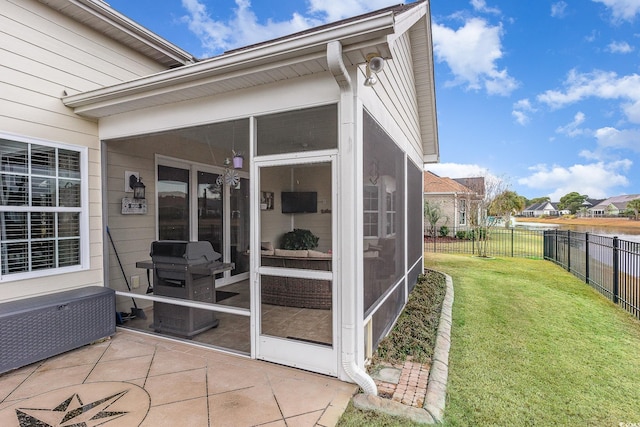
395	93
44	55
449	208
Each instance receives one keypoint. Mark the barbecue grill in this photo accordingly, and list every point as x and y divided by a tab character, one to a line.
184	270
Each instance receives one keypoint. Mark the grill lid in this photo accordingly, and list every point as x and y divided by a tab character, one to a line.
183	252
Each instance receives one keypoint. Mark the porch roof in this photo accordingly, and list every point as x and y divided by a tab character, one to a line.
294	56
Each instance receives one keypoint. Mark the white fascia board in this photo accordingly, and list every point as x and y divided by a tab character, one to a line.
369	31
431	158
405	20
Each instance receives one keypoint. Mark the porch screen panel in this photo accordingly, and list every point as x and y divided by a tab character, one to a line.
210	209
173	203
415	241
240	226
382	320
384	213
308	129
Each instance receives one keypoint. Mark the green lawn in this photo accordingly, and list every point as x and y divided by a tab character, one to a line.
532	345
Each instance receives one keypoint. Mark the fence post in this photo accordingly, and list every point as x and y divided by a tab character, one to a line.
555	255
586	257
569	237
473	242
512	243
616	266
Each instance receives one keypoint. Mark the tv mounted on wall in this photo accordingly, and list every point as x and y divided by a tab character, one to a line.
299	201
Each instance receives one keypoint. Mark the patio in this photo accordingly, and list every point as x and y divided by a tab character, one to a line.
136	379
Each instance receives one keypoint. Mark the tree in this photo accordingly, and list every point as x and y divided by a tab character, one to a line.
479	218
572	201
506	204
634	205
433	214
537	200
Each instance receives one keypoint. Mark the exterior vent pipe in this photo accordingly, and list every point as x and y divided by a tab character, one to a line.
348	348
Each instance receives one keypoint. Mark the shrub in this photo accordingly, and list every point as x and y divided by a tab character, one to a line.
444	231
461	234
299	238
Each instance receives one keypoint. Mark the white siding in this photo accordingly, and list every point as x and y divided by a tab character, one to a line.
42	55
396	91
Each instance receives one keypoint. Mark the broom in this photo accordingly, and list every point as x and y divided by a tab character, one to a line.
135	311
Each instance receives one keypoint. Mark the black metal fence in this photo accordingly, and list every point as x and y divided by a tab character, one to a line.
509	242
608	264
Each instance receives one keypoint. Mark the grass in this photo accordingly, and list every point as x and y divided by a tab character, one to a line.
532	345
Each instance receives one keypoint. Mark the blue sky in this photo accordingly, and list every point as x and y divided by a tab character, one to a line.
544	95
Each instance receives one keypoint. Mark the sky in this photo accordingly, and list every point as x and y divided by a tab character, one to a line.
544	95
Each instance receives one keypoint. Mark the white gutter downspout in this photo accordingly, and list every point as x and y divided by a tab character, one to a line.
348	222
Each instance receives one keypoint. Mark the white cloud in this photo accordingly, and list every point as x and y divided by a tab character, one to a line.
573	129
243	28
558	9
594	179
336	10
598	84
609	137
625	10
471	52
481	6
620	47
520	110
521	117
457	170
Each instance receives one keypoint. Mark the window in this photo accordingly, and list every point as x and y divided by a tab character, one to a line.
40	207
370	211
463	212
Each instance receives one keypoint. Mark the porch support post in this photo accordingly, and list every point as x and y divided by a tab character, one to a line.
350	245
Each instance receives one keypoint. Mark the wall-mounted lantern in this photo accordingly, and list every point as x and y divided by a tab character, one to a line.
138	187
137	204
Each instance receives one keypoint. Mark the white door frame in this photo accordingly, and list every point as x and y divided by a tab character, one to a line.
308	356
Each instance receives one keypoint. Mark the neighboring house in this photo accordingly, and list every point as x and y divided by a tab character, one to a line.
586	205
613	206
453	198
94	105
542	209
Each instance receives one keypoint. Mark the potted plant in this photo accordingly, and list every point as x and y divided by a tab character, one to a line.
299	238
238	158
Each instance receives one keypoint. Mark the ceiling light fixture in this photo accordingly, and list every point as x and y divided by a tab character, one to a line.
375	64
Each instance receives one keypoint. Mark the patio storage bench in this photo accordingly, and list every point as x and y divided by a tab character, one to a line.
34	329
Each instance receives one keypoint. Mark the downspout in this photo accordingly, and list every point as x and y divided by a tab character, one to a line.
349	311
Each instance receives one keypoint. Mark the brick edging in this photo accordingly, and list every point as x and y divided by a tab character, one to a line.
435	399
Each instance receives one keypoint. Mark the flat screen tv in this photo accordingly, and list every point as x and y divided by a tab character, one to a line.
299	201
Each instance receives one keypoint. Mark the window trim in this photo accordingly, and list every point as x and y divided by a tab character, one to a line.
84	209
462	212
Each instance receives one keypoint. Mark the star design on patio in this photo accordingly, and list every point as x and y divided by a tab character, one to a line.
71	413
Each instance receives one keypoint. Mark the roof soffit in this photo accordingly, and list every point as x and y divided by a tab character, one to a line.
290	57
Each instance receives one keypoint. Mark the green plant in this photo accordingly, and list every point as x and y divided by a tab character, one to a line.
532	344
444	231
461	234
299	238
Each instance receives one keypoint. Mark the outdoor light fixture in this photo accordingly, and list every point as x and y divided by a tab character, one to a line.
137	204
375	64
138	187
